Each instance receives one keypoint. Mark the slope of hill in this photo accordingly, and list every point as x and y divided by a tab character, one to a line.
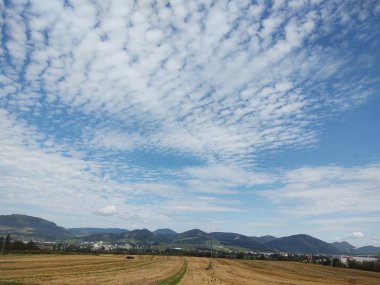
368	250
301	244
263	239
192	237
27	227
194	233
92	231
165	231
343	246
106	237
233	239
142	236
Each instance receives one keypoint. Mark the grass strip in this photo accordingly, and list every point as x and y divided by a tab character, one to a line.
173	280
11	283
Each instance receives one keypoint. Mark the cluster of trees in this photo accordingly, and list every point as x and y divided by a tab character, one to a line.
364	265
7	245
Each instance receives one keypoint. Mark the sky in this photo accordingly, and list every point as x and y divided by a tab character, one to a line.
256	117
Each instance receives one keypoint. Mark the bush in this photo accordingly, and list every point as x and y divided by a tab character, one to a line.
336	263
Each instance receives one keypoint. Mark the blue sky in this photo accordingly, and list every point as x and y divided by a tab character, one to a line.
255	117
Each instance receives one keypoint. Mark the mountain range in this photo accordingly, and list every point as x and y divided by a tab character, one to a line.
27	227
165	232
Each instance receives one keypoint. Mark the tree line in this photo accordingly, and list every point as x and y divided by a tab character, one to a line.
362	265
7	245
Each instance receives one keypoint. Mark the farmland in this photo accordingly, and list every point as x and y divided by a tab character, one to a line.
144	269
226	271
87	269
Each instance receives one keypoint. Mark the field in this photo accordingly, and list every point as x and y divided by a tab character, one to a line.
226	271
87	269
116	269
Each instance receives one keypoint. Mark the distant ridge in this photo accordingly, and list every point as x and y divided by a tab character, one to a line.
28	227
343	246
92	231
264	239
301	244
368	250
165	231
194	233
234	239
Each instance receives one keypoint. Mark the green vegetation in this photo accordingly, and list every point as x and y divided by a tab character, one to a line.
8	246
11	283
364	265
176	278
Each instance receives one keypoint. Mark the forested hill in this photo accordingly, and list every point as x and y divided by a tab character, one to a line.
28	227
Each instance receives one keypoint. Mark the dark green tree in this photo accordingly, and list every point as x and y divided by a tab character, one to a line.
17	245
6	245
336	263
31	245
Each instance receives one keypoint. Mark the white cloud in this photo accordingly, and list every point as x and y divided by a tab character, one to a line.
227	176
109	139
358	234
202	206
107	211
325	190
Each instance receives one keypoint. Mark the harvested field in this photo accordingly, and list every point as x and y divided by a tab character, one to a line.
87	269
226	271
116	269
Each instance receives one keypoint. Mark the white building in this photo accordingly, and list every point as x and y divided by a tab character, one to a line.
126	246
344	259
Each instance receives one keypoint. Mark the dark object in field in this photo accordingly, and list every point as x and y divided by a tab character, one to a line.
130	257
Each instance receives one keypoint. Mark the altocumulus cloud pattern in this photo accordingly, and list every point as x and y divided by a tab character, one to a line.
90	89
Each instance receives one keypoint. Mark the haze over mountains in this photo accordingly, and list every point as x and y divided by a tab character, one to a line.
27	227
